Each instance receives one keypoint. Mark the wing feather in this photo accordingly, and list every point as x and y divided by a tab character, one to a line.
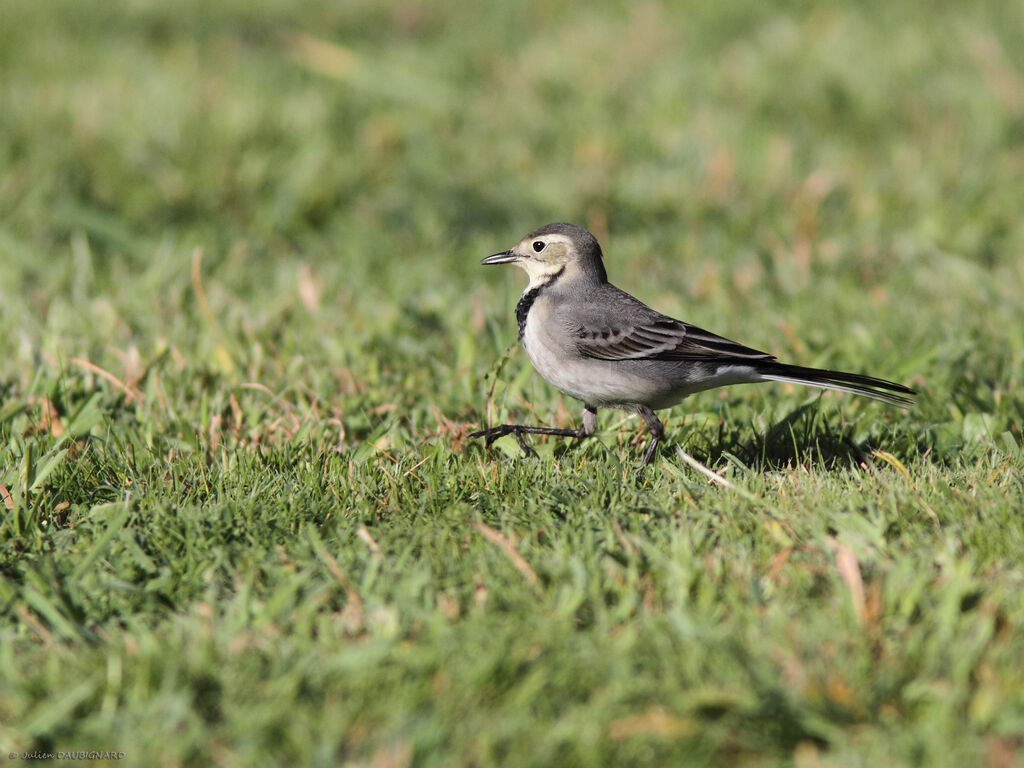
661	338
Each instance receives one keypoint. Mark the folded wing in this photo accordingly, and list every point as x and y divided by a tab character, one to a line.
658	338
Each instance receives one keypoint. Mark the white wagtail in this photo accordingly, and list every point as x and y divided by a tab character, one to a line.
600	345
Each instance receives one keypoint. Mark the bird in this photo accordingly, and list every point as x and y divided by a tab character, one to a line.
600	345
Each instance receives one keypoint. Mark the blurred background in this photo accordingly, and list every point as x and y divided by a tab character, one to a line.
240	181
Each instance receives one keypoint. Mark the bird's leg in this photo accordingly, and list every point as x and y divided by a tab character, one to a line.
656	429
587	428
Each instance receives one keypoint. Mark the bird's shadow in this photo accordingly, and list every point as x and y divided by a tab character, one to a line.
797	439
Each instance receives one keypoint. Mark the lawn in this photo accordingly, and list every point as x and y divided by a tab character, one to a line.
246	334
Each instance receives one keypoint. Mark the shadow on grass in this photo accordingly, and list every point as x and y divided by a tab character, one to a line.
804	437
800	438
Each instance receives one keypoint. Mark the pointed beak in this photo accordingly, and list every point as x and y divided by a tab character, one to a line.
504	257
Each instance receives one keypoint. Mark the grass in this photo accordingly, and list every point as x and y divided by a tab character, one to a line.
246	336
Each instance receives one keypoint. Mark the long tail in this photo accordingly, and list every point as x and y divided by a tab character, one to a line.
855	383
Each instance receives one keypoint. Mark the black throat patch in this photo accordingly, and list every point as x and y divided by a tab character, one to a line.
523	307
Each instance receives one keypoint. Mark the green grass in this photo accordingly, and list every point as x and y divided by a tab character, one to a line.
245	335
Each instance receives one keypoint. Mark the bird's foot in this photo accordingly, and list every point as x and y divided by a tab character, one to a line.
518	430
652	448
657	430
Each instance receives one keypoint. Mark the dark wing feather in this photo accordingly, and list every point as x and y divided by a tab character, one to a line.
633	331
661	340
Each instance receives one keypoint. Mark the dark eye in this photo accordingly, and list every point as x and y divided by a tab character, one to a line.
538	245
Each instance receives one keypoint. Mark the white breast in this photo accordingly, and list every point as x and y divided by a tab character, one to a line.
553	357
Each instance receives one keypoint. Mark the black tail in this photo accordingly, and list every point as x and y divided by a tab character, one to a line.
855	383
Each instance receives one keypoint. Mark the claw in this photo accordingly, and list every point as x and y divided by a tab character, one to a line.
652	447
522	444
518	430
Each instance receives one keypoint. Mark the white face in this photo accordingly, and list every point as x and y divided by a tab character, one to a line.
543	256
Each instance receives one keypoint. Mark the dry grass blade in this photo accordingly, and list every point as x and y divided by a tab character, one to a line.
5	495
197	286
653	722
364	534
893	462
131	393
849	572
709	473
324	58
338	574
502	542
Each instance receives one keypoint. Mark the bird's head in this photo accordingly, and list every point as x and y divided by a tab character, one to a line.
553	251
